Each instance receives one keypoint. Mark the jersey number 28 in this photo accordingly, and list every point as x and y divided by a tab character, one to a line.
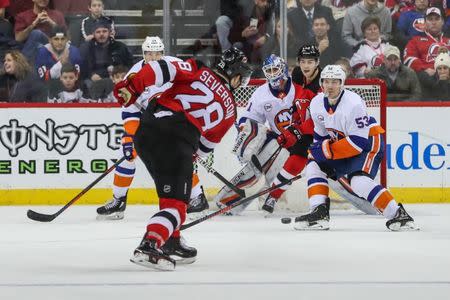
205	113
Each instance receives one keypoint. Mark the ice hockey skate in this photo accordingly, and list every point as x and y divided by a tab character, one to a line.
113	210
318	219
148	255
402	221
177	249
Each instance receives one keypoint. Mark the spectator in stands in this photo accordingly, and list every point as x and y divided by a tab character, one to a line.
230	12
369	52
96	9
19	83
411	23
331	46
258	27
397	7
66	88
101	54
437	87
7	40
118	74
402	82
339	9
55	54
33	26
421	51
272	46
351	28
301	20
344	62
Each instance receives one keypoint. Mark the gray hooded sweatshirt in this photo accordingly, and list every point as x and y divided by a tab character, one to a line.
351	28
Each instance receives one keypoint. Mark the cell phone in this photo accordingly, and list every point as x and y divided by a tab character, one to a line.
254	22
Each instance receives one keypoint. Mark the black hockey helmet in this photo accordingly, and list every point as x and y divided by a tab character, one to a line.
308	51
233	62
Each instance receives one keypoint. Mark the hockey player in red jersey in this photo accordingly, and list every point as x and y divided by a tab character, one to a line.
189	118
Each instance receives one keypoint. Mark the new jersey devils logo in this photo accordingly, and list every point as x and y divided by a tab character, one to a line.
377	60
433	51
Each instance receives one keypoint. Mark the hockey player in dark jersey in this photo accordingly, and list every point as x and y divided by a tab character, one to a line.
188	119
307	73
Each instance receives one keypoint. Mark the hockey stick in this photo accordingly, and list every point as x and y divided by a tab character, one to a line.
208	167
48	218
237	203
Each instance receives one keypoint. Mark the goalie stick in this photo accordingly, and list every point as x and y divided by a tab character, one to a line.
237	203
48	218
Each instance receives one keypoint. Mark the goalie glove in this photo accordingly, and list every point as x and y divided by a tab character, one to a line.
250	139
128	147
321	151
289	137
125	92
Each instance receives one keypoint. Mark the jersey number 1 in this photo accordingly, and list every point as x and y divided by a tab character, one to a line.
204	113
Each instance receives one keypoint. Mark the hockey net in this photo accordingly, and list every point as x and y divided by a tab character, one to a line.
372	91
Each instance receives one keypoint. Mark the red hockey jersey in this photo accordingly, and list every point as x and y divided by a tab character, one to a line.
421	51
301	118
197	91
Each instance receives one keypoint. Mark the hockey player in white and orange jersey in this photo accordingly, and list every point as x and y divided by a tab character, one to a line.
347	143
152	50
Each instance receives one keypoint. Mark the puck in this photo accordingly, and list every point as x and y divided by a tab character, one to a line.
286	220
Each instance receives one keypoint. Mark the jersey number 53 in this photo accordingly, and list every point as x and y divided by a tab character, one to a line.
362	122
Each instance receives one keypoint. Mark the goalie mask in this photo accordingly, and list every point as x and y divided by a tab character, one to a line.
152	44
275	70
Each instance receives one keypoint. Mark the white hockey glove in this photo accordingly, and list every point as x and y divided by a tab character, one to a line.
249	140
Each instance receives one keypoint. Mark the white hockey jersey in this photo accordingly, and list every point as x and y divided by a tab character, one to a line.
132	114
347	123
264	107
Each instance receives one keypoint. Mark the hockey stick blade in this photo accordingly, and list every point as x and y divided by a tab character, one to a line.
237	203
35	216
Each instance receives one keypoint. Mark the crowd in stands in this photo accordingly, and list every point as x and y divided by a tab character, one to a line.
68	51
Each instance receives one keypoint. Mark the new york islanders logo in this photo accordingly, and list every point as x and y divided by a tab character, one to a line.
419	24
282	119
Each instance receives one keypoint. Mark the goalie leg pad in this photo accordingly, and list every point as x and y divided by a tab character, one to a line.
245	178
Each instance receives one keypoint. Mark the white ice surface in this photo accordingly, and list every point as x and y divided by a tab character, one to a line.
246	257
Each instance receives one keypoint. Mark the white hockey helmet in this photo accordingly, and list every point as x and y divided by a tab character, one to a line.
152	43
333	72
